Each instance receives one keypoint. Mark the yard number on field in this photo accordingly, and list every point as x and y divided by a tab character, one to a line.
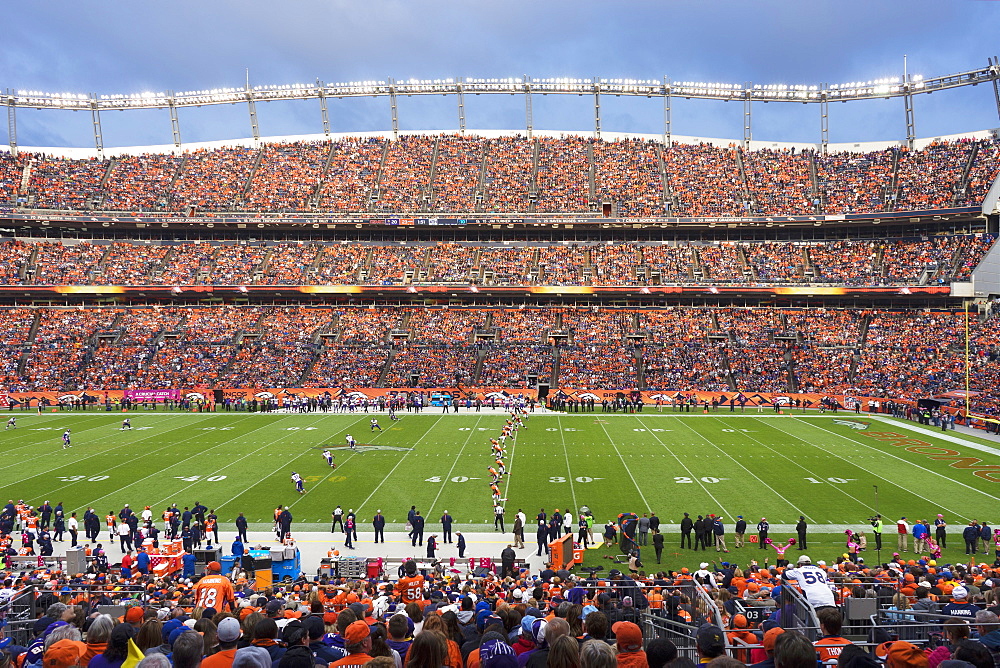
709	479
836	481
196	478
78	478
458	478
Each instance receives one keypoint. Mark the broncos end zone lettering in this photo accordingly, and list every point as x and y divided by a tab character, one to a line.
989	472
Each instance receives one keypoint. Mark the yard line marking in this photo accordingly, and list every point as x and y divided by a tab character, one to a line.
22	430
627	470
569	473
738	463
332	470
266	445
445	480
691	475
401	460
132	462
6	453
809	471
950	437
902	459
513	446
889	454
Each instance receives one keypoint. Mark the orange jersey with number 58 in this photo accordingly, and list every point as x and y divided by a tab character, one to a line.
411	590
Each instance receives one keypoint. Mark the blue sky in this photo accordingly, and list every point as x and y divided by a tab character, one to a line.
93	46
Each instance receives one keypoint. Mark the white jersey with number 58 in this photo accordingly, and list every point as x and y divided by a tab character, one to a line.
814	584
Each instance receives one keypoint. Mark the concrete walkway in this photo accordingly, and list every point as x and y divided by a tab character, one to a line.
314	546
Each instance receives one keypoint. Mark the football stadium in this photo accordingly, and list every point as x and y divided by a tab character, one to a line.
498	397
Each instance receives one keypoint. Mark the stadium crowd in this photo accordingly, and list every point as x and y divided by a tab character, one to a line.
899	354
795	614
933	260
509	174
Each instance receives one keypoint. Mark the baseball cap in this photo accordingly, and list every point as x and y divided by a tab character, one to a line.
176	633
740	621
64	653
134	615
905	655
959	592
229	630
495	653
214	566
526	622
770	637
356	632
710	638
587	609
803	559
629	636
274	606
252	657
314	625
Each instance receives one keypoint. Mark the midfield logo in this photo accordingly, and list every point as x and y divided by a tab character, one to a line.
364	448
853	424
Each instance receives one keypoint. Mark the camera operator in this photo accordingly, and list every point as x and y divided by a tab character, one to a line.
876	523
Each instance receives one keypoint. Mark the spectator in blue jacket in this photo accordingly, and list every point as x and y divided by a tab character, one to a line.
920	534
142	561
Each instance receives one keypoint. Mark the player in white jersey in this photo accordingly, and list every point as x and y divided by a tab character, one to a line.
299	485
11	423
375	425
351	443
329	458
66	440
127	424
812	581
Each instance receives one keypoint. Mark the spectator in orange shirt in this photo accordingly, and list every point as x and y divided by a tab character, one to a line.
830	645
357	642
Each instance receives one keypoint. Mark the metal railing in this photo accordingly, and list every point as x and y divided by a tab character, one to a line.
20	612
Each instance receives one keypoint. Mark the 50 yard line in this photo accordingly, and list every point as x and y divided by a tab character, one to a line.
569	472
401	460
332	470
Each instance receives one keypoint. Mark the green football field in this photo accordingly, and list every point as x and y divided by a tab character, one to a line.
824	467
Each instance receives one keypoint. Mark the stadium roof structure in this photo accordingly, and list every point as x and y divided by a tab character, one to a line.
906	87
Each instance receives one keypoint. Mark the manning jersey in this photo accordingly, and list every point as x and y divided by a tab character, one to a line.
214	591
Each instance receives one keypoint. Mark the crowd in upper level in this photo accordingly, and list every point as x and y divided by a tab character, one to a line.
903	355
913	261
510	174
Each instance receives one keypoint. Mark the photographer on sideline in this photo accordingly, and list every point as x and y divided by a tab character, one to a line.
876	523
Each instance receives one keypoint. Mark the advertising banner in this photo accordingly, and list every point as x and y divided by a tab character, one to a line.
152	395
